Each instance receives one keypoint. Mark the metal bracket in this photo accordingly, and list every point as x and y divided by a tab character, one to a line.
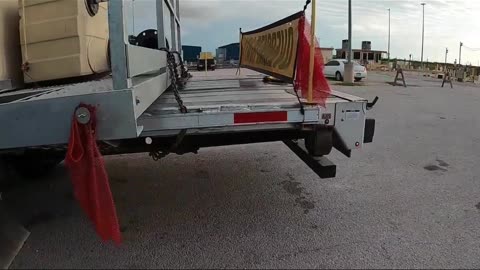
340	144
371	104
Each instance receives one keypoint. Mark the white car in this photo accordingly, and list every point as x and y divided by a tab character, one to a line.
336	68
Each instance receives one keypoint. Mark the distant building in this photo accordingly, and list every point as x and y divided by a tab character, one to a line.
228	53
327	54
221	55
191	53
364	55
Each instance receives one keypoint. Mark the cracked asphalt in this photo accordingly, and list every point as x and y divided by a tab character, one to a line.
409	200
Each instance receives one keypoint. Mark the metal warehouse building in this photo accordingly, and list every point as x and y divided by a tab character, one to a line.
228	52
191	53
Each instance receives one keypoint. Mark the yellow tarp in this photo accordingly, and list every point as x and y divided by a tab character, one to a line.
272	49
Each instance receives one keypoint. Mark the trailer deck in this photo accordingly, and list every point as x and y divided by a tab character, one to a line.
218	102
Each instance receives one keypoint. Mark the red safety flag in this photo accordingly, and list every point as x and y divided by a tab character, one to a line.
89	178
321	88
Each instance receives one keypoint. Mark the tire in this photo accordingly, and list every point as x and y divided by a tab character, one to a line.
338	76
319	142
358	79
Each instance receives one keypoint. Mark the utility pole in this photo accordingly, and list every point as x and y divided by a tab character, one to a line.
410	62
349	66
350	31
388	35
423	32
460	54
446	55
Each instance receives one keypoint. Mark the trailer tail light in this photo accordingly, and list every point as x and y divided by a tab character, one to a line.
261	117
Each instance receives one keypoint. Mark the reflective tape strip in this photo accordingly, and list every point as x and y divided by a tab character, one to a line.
260	117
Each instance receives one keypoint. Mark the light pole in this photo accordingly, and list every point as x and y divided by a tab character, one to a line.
423	32
388	35
410	62
460	55
349	31
446	55
349	66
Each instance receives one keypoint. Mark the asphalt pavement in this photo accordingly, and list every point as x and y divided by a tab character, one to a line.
411	199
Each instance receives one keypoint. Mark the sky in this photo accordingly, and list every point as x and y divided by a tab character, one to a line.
213	23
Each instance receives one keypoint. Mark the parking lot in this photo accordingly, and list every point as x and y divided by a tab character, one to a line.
410	199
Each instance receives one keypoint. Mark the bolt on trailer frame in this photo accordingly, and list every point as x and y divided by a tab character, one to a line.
137	113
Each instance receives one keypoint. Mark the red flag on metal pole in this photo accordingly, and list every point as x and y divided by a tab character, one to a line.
320	89
89	177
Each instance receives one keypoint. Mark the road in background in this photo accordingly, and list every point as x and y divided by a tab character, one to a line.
410	199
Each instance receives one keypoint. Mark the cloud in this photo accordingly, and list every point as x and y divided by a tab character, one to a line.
212	23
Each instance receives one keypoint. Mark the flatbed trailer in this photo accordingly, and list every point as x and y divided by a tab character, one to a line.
223	109
138	109
139	106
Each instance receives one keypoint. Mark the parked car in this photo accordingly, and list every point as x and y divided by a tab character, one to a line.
336	69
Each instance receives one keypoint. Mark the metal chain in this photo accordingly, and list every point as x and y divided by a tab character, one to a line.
184	74
156	155
175	68
173	77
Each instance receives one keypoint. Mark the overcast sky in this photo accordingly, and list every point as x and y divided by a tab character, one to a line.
212	23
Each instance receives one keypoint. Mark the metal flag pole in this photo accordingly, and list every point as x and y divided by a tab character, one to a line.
206	65
240	54
312	52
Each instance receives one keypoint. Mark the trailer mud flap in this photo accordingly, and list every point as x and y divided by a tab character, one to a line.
369	130
322	166
12	237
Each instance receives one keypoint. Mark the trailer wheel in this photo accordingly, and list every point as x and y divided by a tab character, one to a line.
319	142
